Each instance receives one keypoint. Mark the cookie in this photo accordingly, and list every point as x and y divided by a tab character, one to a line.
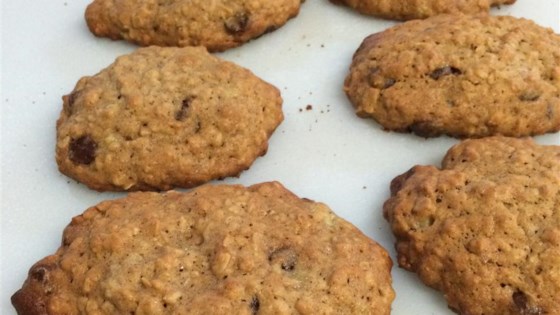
216	24
419	9
464	76
165	117
214	250
485	228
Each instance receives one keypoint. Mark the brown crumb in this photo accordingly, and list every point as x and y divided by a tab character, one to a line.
309	107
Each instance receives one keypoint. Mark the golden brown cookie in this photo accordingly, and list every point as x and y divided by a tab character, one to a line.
484	229
214	250
420	9
464	76
165	117
215	24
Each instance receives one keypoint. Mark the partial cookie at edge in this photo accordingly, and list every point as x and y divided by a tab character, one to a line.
419	9
484	229
217	25
154	253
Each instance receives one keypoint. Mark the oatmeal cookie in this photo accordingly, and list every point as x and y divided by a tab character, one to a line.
419	9
464	76
215	24
485	228
165	117
214	250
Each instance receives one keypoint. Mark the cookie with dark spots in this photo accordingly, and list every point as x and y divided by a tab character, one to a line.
237	24
213	250
82	150
284	257
165	117
484	228
463	76
217	24
441	72
420	9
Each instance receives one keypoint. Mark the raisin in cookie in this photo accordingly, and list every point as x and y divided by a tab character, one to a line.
216	24
165	117
465	76
484	229
419	9
214	250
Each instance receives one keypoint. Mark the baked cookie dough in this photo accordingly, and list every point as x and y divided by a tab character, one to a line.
215	24
485	228
464	76
419	9
214	250
165	117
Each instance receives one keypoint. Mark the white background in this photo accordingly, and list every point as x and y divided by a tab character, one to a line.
327	154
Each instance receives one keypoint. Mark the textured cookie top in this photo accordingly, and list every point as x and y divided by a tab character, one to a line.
465	76
485	229
216	24
165	117
420	9
214	250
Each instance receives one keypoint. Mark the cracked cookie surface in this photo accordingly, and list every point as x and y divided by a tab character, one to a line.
420	9
464	76
165	117
485	228
214	250
215	24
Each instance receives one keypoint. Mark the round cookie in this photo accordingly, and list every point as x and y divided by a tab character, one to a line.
215	24
419	9
485	229
165	117
214	250
464	76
